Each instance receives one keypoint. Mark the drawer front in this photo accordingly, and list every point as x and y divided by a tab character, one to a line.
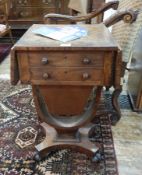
69	59
32	12
67	68
67	75
49	3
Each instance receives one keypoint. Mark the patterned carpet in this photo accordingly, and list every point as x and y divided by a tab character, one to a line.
4	51
124	101
18	121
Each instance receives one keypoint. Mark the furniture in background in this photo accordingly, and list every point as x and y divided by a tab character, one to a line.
67	83
135	75
23	13
5	28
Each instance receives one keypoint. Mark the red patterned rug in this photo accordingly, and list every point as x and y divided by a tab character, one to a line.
4	51
19	121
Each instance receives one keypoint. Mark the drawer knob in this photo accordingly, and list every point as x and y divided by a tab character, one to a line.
86	61
85	76
45	61
46	76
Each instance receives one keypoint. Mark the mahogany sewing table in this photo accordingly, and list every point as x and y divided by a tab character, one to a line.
67	81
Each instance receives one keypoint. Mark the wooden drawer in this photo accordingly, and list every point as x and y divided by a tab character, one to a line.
68	59
66	67
32	12
49	3
61	75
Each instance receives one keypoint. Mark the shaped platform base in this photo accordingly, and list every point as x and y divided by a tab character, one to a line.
79	142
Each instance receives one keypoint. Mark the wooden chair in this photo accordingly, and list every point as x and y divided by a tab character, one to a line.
4	26
128	16
125	32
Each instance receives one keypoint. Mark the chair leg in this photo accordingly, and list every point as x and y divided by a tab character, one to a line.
11	37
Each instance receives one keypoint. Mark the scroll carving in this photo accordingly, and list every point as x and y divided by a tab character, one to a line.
128	16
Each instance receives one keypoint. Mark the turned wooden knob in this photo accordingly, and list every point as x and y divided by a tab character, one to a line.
86	61
85	76
46	76
45	61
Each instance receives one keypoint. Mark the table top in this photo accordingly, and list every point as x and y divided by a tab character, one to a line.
99	37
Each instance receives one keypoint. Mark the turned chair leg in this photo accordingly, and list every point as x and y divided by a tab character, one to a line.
107	88
11	37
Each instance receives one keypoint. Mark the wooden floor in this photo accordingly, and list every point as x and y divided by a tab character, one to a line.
127	135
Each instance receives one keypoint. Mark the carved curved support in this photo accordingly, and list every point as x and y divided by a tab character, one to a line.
68	123
116	115
128	16
49	17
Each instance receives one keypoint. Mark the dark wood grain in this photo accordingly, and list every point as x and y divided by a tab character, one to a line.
67	82
61	101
